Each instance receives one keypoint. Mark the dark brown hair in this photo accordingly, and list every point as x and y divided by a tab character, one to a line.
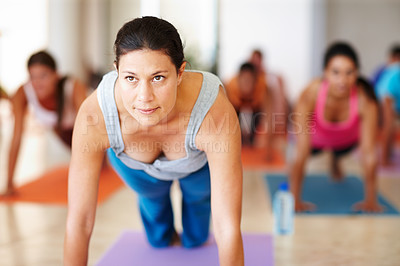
149	33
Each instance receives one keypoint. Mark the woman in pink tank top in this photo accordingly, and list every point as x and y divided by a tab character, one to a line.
337	113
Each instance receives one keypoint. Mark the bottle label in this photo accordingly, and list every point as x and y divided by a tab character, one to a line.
285	219
284	213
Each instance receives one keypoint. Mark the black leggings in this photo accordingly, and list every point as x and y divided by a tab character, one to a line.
336	153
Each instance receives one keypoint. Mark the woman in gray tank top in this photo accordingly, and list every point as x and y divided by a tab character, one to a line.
158	123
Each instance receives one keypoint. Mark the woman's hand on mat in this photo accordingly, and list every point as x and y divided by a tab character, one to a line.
304	206
368	206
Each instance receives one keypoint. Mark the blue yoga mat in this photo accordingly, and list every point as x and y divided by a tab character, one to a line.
330	197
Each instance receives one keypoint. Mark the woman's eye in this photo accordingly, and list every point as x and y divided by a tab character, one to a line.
130	79
158	78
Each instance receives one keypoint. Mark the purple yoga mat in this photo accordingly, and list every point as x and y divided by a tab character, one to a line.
132	248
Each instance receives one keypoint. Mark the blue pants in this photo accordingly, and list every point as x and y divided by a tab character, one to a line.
156	209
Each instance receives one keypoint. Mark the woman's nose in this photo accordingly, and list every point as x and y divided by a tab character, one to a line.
145	92
342	79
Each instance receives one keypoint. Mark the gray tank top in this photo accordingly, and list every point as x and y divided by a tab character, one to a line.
161	168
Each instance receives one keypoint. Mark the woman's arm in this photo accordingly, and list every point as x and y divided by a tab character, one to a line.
3	94
88	146
369	130
219	137
388	128
19	104
302	127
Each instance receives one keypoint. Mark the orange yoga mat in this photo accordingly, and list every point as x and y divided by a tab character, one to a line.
259	159
52	187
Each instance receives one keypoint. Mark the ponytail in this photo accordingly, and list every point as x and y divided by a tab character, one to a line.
367	87
60	101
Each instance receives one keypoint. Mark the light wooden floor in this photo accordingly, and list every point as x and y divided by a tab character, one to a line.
32	234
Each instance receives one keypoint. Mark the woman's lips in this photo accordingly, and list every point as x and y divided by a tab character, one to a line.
147	111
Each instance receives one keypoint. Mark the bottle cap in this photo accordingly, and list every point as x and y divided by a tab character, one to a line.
284	186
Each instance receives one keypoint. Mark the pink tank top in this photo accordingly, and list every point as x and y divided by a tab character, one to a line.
335	135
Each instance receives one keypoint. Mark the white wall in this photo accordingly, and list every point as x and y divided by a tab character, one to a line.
121	11
293	34
318	44
96	40
372	26
196	22
280	28
102	20
23	30
65	35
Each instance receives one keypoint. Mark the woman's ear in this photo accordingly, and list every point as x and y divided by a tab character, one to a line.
180	72
115	65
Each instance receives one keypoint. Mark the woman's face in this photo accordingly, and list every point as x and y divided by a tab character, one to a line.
341	73
148	82
256	60
247	83
44	80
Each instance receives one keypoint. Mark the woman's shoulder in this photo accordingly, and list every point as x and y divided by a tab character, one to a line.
315	84
19	95
89	125
108	79
194	81
192	76
91	104
220	120
221	108
310	93
90	110
200	76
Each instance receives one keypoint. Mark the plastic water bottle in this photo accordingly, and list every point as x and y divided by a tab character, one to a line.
283	210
